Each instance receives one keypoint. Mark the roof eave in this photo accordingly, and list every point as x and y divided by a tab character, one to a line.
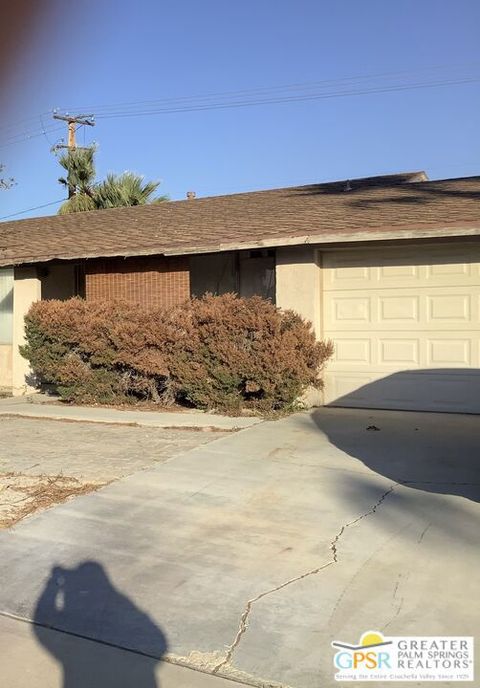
333	238
467	229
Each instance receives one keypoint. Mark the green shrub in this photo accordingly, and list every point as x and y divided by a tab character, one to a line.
217	352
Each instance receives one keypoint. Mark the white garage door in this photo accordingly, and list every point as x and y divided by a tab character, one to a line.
406	327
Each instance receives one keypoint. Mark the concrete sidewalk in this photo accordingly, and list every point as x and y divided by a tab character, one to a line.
97	665
26	408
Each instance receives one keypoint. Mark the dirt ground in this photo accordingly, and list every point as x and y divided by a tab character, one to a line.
23	495
44	462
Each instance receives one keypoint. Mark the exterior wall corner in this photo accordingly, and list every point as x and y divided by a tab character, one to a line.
26	290
298	283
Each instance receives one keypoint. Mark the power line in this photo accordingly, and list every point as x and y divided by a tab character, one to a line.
14	125
268	95
290	93
313	89
45	133
24	136
444	68
286	87
20	138
28	210
278	100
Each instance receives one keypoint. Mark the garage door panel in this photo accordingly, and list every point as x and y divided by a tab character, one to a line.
392	351
397	308
353	351
450	392
396	316
378	352
421	308
409	267
387	352
348	310
347	275
449	306
450	352
457	269
345	385
393	272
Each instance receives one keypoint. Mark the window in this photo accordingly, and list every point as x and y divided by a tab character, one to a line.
6	305
257	273
248	273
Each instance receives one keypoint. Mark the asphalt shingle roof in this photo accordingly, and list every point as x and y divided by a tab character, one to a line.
361	209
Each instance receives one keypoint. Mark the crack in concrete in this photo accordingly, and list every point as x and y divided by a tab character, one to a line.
364	564
422	535
243	625
397	605
435	482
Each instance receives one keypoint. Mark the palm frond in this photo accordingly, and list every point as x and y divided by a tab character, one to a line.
116	191
127	189
79	164
76	204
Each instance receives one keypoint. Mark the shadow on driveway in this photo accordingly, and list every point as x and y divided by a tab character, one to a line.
82	602
427	458
437	453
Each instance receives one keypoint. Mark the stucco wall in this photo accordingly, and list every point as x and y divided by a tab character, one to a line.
298	282
6	328
26	290
5	367
298	287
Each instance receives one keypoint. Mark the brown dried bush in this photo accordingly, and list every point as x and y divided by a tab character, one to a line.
217	352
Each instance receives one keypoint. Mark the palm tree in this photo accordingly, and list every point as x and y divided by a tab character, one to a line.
125	189
79	164
115	191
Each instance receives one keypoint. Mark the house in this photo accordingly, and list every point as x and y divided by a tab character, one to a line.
387	267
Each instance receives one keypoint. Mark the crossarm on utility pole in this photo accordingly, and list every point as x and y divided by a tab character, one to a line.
72	122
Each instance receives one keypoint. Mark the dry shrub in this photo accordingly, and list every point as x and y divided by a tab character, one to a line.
217	352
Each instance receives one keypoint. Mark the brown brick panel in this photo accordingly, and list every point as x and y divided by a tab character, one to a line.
152	281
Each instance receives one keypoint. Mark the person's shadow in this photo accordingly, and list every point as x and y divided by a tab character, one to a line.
87	625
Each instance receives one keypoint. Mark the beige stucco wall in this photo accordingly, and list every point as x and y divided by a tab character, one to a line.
26	290
298	282
5	367
298	287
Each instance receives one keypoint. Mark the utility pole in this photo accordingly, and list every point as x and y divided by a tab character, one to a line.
72	122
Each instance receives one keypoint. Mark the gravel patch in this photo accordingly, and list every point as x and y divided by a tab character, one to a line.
45	462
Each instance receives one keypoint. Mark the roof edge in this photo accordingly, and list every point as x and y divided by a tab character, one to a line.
433	231
343	238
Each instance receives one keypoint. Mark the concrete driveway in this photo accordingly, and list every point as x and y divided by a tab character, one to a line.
246	557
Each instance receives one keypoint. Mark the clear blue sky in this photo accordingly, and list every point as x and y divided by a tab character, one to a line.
111	51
